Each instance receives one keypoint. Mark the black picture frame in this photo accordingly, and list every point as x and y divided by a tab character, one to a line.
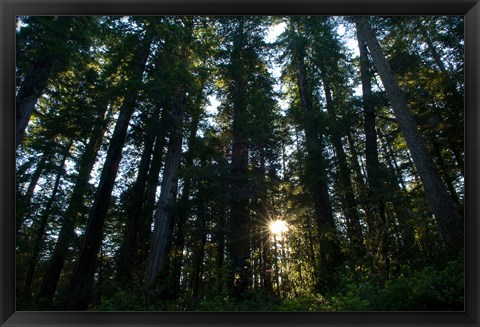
11	8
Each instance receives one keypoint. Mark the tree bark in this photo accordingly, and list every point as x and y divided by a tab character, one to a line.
432	49
184	209
399	200
315	162
317	182
37	243
358	174
451	93
147	212
199	251
23	203
445	172
128	251
161	238
82	281
448	220
239	213
221	227
71	215
349	202
30	91
263	242
184	204
377	221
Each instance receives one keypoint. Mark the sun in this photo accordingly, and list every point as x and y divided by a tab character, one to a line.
278	227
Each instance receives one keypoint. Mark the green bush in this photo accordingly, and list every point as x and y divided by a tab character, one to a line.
305	303
428	289
123	301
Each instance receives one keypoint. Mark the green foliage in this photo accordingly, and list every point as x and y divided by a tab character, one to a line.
428	289
263	301
218	303
308	302
123	301
348	302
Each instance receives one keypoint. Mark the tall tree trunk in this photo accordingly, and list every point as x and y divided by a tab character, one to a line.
448	220
377	221
37	243
432	49
315	162
221	227
145	229
184	209
239	213
184	204
72	214
459	158
50	58
199	251
400	202
358	174
348	199
445	172
239	216
23	203
30	91
128	251
83	277
263	236
318	184
450	88
162	232
392	161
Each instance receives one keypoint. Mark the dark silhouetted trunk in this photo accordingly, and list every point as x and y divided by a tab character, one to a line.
23	203
449	221
221	229
348	200
184	203
261	237
377	223
127	261
30	91
451	89
183	213
145	226
317	182
72	214
445	172
162	233
38	241
199	249
358	174
316	163
82	281
239	213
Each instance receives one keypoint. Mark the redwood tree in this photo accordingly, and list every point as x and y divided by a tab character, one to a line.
447	216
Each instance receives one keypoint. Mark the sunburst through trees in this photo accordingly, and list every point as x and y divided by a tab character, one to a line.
241	163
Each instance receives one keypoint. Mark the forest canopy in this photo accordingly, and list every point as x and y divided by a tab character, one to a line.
240	163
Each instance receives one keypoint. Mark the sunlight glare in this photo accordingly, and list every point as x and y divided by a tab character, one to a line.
277	227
